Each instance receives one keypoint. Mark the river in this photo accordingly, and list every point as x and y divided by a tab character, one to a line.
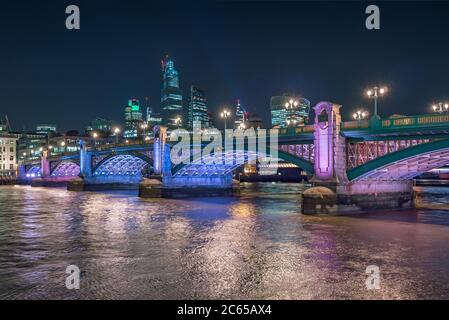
257	246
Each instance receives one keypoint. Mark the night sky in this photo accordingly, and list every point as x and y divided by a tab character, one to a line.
247	50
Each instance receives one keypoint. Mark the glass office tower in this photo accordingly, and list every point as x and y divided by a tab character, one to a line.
171	97
281	117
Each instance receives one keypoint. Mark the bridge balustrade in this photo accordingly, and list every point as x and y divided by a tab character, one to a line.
359	153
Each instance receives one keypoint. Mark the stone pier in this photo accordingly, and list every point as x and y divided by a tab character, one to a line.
333	193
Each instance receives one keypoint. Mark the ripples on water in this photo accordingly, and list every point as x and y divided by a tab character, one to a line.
257	246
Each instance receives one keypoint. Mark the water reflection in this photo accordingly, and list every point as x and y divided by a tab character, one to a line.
257	246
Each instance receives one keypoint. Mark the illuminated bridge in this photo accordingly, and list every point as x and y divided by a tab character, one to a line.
367	157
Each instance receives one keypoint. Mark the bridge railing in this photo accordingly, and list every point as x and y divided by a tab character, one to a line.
428	120
121	145
58	155
355	125
298	130
419	121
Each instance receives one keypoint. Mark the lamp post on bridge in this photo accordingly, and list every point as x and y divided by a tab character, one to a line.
95	136
116	132
290	106
178	122
440	107
360	115
374	94
63	144
144	131
225	115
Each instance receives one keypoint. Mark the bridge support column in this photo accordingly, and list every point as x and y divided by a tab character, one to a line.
45	171
174	187
85	169
330	147
22	173
330	161
160	137
45	165
85	161
375	194
332	191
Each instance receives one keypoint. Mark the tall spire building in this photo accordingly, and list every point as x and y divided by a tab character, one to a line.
241	116
171	97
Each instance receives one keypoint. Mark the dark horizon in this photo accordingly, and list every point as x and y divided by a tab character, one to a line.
233	50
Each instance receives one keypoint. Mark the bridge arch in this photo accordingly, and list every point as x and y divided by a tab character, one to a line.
66	169
34	172
404	164
225	163
129	164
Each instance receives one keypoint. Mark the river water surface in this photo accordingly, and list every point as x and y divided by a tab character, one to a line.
257	246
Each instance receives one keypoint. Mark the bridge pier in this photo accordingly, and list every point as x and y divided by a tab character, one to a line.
180	187
22	175
367	195
333	192
45	179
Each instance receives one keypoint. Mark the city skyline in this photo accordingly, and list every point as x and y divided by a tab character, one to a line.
228	60
224	156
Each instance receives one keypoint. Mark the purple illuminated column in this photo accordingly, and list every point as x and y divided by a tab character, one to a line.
85	160
45	165
160	136
330	155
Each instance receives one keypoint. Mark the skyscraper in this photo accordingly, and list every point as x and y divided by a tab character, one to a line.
197	108
241	116
281	117
152	118
171	97
100	126
133	118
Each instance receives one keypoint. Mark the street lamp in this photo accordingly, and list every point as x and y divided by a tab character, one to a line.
290	106
94	136
116	132
144	130
225	115
360	115
375	93
440	107
63	146
178	121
